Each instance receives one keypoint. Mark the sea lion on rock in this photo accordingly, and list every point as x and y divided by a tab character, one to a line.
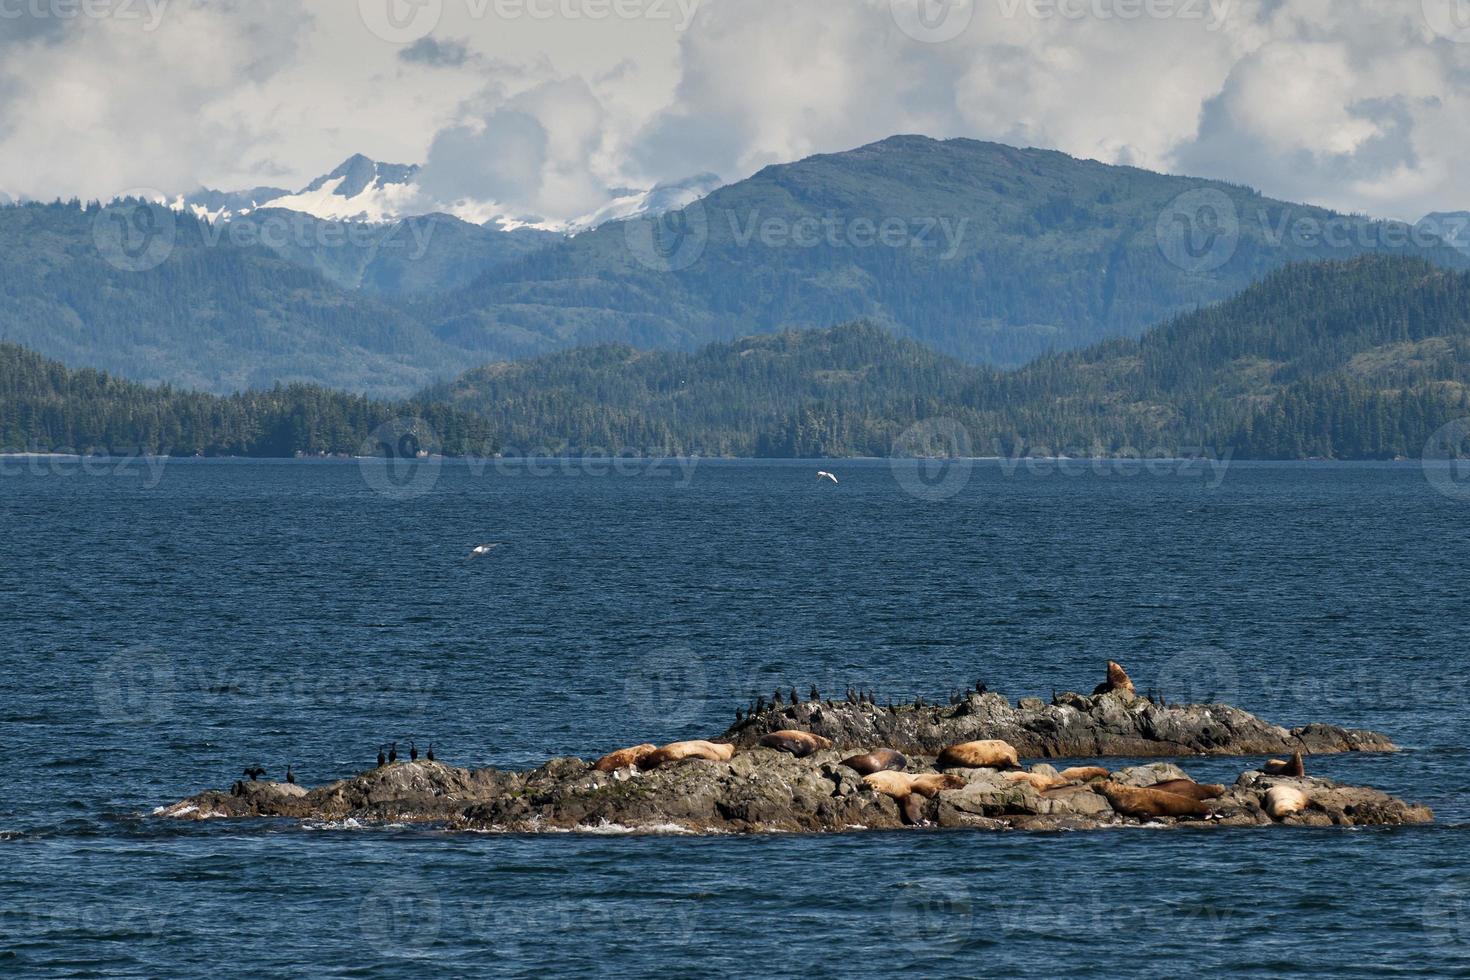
799	744
1118	681
1084	773
1190	788
623	758
1282	801
1135	801
909	791
1039	780
877	760
693	749
989	753
1281	767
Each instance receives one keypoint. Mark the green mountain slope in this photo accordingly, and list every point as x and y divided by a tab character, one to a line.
986	252
1363	358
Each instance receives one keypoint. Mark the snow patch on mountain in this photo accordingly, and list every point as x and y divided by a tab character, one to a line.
364	190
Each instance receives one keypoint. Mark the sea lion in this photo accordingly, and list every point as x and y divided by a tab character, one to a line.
693	749
990	753
623	758
1118	681
909	791
1039	780
1084	773
1282	801
1281	767
1190	788
799	744
877	760
1135	801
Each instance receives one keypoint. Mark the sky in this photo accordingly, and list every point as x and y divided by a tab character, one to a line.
549	106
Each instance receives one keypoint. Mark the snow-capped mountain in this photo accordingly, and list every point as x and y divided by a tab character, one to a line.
362	189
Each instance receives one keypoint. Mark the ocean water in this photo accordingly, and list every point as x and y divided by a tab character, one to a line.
166	624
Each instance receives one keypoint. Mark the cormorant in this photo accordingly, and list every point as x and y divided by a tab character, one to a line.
290	776
382	759
794	698
815	695
392	752
413	751
254	772
430	756
739	715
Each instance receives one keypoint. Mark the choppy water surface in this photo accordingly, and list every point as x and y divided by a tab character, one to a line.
164	628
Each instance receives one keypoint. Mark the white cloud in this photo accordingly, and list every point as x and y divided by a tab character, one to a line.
1357	104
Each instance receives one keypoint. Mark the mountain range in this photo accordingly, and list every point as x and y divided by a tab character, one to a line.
989	254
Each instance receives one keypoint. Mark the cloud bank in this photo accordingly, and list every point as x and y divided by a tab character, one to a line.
546	105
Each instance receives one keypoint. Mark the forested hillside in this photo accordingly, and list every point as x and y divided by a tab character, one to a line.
1353	359
989	253
45	407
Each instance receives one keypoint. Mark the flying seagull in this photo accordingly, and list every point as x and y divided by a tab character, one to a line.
824	475
481	549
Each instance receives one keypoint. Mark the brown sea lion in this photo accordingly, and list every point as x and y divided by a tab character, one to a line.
1281	767
1084	773
1135	801
799	744
1118	681
1190	788
877	761
1282	801
1040	780
693	749
623	758
990	753
909	791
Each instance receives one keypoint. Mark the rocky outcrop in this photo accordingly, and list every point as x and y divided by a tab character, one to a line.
1114	724
797	783
764	790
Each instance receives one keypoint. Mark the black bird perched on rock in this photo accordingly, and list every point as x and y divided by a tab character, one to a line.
290	776
980	687
413	752
776	697
382	759
254	772
430	756
794	698
393	752
814	695
238	789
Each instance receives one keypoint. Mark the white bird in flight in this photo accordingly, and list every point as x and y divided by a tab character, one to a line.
824	475
481	549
